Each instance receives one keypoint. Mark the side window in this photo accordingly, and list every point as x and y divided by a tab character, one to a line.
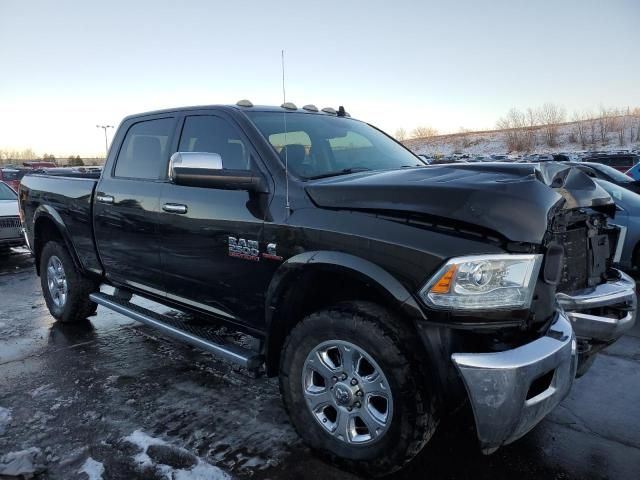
212	134
144	150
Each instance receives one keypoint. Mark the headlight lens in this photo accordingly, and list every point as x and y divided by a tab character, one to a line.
484	282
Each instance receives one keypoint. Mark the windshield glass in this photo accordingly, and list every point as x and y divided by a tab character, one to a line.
6	193
611	172
323	145
12	174
626	198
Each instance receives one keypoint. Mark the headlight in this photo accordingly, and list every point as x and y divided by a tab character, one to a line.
483	282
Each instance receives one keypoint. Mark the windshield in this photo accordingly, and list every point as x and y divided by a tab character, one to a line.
321	145
6	193
13	174
611	172
626	198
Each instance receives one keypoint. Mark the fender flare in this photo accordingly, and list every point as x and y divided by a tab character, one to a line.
50	213
361	268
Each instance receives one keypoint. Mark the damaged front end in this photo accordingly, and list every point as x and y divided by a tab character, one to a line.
512	390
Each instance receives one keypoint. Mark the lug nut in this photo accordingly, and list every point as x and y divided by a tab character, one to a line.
359	393
344	376
357	405
354	381
335	379
350	408
324	420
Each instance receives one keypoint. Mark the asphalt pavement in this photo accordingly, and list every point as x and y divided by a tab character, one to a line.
112	398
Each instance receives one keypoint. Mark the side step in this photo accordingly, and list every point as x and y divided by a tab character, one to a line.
195	335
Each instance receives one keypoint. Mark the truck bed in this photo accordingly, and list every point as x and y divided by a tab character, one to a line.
67	201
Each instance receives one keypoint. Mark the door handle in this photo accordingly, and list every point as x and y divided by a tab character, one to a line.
104	198
174	208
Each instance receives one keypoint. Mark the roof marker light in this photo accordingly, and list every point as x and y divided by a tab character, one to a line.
310	107
244	103
330	110
289	106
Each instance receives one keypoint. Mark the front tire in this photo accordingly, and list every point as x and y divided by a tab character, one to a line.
66	291
355	384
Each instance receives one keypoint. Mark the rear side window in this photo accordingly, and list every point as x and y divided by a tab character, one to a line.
144	150
210	134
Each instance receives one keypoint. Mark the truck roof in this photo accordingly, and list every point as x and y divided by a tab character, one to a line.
329	111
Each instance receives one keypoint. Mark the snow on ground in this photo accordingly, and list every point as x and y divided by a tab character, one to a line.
93	469
490	142
182	464
5	418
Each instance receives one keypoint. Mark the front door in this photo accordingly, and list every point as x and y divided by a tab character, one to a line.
211	238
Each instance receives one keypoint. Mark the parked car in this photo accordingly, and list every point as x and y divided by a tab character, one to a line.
610	174
427	159
38	164
12	176
634	172
382	293
627	253
622	161
10	227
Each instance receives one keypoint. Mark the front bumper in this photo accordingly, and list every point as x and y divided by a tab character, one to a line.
511	391
604	312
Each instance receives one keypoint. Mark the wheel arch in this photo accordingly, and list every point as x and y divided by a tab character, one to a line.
47	225
311	280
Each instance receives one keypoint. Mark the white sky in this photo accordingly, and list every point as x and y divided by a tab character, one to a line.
66	66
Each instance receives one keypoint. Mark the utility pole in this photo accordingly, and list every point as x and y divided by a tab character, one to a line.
106	146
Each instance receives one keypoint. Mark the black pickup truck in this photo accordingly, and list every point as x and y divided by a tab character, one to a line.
384	293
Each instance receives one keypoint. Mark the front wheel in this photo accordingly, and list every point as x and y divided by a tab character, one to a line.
66	291
356	387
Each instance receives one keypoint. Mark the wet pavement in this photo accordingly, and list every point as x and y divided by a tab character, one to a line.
113	398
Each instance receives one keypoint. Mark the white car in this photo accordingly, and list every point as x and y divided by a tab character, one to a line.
10	226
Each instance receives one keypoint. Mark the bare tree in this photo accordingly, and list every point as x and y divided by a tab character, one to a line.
551	116
424	132
581	127
401	134
516	130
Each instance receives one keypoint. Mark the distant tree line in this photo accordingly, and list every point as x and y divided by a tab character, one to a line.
524	130
16	157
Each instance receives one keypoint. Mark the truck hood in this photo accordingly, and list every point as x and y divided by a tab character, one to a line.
515	200
8	208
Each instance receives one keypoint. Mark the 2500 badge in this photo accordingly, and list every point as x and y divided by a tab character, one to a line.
250	250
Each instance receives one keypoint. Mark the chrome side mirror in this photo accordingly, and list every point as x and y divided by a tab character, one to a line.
199	160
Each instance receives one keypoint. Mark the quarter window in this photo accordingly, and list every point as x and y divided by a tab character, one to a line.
144	150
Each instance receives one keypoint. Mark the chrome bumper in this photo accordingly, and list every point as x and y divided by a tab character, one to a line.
604	312
499	384
511	391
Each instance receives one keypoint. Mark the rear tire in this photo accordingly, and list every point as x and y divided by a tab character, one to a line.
393	364
65	290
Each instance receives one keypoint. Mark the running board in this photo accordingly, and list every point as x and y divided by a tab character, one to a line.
197	336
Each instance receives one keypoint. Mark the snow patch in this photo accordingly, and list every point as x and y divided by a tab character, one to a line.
22	463
201	471
43	390
93	469
5	418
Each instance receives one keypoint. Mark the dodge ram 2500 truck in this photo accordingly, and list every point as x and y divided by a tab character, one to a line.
384	293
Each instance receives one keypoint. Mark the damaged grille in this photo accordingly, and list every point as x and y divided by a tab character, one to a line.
588	243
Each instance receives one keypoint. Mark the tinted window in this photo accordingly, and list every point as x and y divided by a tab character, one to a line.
6	193
144	151
321	145
215	135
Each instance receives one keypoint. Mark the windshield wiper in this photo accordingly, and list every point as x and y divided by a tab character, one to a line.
345	171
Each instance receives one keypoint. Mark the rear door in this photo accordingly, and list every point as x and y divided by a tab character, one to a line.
199	267
127	203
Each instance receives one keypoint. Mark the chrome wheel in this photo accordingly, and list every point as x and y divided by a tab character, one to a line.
347	392
57	281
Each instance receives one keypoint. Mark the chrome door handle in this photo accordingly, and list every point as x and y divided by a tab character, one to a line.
174	208
104	198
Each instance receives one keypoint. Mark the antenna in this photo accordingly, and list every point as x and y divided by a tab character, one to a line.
286	150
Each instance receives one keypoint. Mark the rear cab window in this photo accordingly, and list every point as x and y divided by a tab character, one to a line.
145	149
